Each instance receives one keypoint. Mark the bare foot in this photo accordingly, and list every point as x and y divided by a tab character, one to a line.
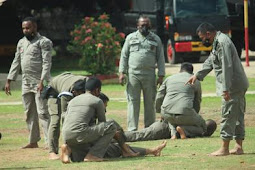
30	145
53	156
157	151
236	151
181	132
66	151
92	158
127	152
174	137
220	152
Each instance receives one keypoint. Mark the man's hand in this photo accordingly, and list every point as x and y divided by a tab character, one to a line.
226	96
160	80
7	87
191	80
40	86
122	79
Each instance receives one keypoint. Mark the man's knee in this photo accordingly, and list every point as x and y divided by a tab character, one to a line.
110	127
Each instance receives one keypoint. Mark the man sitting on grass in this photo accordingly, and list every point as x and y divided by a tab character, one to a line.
87	141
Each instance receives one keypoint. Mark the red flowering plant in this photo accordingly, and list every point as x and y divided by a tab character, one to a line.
98	44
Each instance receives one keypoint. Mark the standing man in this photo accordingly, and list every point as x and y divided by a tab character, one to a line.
61	90
180	104
231	84
141	54
33	56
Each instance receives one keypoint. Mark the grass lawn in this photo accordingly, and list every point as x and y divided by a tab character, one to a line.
178	154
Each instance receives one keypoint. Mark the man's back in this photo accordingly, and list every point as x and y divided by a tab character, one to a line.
64	81
81	111
178	97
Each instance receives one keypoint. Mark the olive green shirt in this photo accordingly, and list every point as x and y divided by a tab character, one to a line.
34	59
141	55
230	75
81	111
174	97
64	83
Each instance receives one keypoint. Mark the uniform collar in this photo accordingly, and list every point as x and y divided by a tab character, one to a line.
37	36
140	36
215	39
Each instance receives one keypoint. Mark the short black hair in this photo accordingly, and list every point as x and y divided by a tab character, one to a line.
144	17
32	19
204	27
79	85
187	67
103	97
93	83
211	127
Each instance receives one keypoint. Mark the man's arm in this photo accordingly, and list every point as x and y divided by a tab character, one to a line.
123	66
227	68
100	110
206	69
198	96
46	50
160	96
14	70
160	63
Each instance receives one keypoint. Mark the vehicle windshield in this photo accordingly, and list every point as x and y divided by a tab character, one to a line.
190	8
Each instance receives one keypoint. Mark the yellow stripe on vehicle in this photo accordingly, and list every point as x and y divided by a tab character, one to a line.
198	46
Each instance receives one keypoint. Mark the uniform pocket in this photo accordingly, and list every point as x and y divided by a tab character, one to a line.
134	45
152	46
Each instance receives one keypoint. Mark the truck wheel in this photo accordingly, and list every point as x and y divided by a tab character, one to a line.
171	55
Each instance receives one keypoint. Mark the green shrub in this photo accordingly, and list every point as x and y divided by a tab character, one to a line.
98	44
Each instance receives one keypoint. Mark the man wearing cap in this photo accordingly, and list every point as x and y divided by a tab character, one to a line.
61	90
179	104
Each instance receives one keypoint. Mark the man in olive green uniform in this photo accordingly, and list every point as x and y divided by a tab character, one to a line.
116	148
161	130
64	88
231	84
80	129
33	56
180	104
141	54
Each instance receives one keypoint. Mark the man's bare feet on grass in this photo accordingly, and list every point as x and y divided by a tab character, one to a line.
220	152
157	150
91	158
236	151
127	152
174	137
181	132
53	156
65	153
30	145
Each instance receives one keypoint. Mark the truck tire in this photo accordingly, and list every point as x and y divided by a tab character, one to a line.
171	55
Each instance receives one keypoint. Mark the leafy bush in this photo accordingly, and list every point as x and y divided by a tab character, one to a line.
98	44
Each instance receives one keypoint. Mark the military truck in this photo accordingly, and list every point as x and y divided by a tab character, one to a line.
175	21
236	17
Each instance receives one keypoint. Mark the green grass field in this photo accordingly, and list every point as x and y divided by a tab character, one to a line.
178	154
